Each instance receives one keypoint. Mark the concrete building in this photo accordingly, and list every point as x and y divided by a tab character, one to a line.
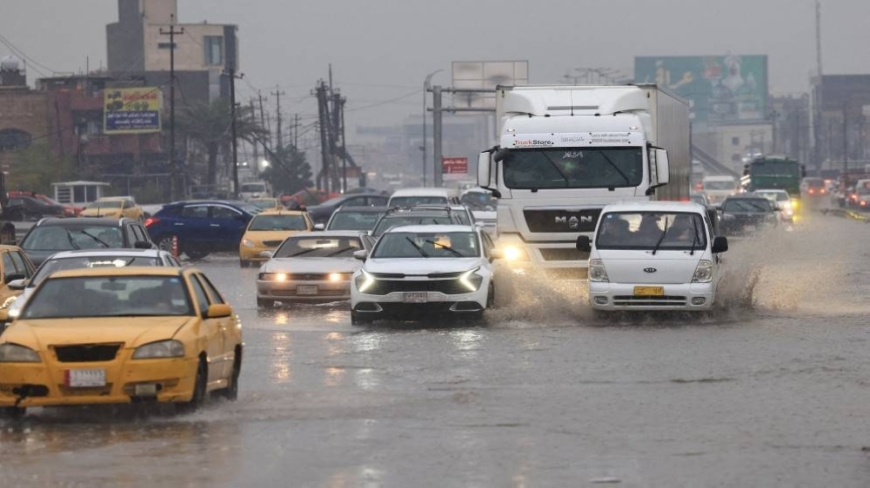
841	107
24	114
733	144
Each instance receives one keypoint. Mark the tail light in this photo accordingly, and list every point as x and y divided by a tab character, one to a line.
151	221
822	191
812	191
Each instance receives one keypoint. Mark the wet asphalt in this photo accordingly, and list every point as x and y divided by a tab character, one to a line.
770	389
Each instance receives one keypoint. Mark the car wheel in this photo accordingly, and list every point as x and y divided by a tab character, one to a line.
165	244
265	303
199	387
244	263
196	253
13	412
490	297
355	319
231	392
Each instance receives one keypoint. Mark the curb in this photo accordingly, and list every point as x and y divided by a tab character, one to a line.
847	214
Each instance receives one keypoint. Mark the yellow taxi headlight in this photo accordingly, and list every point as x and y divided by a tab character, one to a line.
248	243
159	350
13	353
515	253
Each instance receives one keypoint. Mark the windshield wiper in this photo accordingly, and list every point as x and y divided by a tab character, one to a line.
442	246
694	235
610	161
72	241
346	249
304	251
418	248
94	238
662	238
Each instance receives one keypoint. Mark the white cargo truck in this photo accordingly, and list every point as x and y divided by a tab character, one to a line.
567	151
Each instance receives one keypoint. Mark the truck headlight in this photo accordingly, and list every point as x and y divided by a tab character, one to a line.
597	273
515	253
159	350
13	353
704	272
471	280
248	243
364	281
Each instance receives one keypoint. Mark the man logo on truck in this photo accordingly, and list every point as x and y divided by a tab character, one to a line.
573	222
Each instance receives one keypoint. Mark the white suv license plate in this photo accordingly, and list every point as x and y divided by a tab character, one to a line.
306	290
416	297
85	378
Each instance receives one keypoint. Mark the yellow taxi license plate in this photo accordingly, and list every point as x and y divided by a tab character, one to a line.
649	291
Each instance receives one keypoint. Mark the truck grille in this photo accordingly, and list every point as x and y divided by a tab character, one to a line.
86	353
562	220
448	287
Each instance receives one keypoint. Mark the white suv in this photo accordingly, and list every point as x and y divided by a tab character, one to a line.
653	256
424	270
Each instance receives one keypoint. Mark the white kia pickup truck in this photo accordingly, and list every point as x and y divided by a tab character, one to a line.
653	256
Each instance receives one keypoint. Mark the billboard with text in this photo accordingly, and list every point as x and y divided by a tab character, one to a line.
132	110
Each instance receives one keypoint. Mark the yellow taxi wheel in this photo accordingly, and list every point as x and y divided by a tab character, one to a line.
199	391
13	412
244	263
231	392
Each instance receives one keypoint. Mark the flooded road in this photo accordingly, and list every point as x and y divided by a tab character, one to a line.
771	389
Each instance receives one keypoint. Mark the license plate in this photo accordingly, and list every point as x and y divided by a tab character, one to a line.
85	378
416	297
306	290
649	291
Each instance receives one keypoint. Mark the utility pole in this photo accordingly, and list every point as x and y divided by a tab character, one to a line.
263	123
845	138
296	131
323	112
175	185
254	143
280	137
232	75
437	115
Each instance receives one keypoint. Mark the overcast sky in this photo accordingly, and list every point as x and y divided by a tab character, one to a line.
382	49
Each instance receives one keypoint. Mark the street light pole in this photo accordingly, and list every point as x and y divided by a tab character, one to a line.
426	85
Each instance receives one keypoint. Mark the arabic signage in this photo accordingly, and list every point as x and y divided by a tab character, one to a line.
454	168
720	89
132	110
532	141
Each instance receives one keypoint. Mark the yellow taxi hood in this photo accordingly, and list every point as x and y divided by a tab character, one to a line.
132	331
269	235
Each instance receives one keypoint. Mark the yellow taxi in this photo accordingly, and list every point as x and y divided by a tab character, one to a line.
120	335
266	203
15	267
114	207
267	230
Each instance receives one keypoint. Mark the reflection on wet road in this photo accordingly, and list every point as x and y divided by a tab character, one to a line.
771	389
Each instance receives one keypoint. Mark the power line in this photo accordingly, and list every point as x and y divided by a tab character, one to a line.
385	102
24	55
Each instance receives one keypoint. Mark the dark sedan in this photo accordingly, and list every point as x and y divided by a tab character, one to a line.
744	215
50	236
201	226
320	214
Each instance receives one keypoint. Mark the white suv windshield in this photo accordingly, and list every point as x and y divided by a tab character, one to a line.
651	230
427	245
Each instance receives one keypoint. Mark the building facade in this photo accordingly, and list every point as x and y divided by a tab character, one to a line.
24	114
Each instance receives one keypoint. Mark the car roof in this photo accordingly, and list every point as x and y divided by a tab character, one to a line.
112	199
746	196
432	228
422	192
281	212
330	233
655	207
108	252
360	209
94	221
770	190
128	271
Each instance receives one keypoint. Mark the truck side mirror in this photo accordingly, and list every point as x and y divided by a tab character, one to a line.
720	244
662	167
483	170
584	244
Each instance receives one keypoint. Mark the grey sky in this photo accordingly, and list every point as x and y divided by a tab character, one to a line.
382	49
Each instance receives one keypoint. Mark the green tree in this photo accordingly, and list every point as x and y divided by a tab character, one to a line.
36	168
210	127
288	172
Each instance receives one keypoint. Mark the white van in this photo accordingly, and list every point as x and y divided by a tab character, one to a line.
653	256
408	197
253	189
718	188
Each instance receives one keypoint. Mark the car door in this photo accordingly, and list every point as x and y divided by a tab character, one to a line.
194	224
226	227
210	331
230	329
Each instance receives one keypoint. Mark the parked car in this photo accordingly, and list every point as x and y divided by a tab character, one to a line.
355	218
266	203
68	210
50	236
267	230
650	256
86	259
177	341
310	267
744	215
25	208
320	213
201	226
424	270
115	208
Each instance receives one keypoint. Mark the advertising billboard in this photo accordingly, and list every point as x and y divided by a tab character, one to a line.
132	110
454	169
486	75
720	89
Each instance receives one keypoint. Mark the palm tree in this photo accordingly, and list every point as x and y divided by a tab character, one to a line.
209	126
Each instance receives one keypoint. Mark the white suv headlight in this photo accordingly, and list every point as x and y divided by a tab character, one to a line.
470	280
704	272
597	272
13	353
159	350
364	281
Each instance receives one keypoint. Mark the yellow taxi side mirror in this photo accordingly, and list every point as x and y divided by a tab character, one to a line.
218	310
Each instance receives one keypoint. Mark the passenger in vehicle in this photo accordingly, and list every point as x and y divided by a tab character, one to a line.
615	230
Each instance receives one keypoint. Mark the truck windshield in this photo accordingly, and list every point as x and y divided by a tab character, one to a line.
675	231
573	168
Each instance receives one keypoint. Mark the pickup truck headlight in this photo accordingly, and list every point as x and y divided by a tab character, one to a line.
597	273
13	353
471	280
159	350
704	272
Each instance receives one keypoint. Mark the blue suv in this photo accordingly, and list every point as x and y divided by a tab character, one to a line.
202	226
